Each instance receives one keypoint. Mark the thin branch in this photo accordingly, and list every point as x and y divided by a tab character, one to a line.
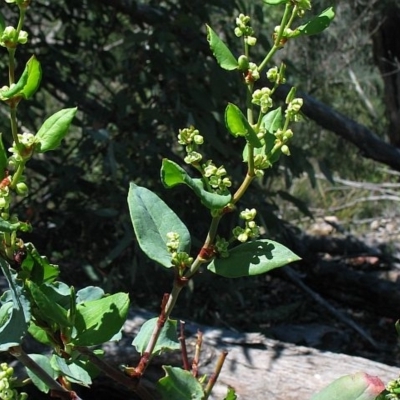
214	376
182	341
56	389
196	358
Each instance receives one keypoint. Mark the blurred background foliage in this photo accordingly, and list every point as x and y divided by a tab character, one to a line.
140	70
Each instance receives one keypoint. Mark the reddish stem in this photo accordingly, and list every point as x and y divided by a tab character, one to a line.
182	341
196	358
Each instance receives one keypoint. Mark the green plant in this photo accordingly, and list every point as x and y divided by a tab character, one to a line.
71	321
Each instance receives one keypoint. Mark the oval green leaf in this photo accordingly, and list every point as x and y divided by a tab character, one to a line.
172	174
74	372
221	52
44	363
152	219
238	125
54	130
167	341
179	384
98	321
317	24
253	258
45	301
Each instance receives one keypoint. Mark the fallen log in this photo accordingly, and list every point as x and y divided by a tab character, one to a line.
257	367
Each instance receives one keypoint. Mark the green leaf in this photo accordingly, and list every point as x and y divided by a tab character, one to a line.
89	293
72	371
152	219
54	129
317	24
172	174
253	258
15	88
273	121
44	363
45	299
39	334
28	83
37	268
275	2
34	78
397	326
179	384
15	312
359	386
238	125
221	52
98	321
3	159
167	341
231	394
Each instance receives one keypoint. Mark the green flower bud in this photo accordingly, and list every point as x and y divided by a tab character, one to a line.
272	74
21	188
243	63
238	32
285	150
193	157
248	215
251	40
22	37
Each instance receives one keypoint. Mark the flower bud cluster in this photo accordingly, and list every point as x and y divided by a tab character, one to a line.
282	137
293	109
10	39
7	392
244	29
262	98
221	247
191	138
393	387
252	74
217	178
276	75
251	230
182	260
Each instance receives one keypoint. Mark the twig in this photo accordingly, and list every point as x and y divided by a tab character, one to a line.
294	277
145	359
182	341
214	376
116	375
56	389
196	358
